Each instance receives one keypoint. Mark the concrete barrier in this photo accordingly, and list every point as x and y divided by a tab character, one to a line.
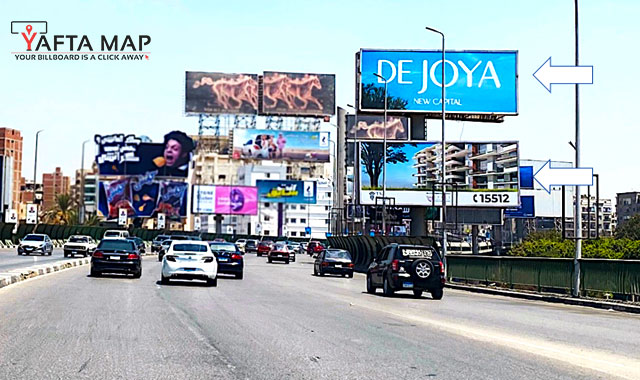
17	275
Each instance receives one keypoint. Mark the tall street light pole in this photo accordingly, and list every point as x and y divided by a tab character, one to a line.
384	160
577	213
356	164
82	208
35	166
444	168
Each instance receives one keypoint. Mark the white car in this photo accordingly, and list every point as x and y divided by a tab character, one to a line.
116	234
35	243
240	243
79	245
189	260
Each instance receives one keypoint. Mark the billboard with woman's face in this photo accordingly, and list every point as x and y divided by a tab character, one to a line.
126	155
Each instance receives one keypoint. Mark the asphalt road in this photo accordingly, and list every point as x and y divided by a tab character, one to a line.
281	322
9	259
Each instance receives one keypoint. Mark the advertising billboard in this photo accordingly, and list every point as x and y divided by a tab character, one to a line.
220	93
268	144
525	210
142	198
477	82
218	199
372	127
286	191
484	174
298	94
125	155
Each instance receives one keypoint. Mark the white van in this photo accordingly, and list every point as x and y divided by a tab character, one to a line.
111	234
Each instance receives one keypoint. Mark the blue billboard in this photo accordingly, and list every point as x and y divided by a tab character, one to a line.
525	210
477	82
286	191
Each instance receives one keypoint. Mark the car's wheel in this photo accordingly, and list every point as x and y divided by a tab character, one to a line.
42	254
94	273
386	288
239	276
50	251
286	262
213	282
422	268
164	280
315	271
321	272
259	254
370	288
437	294
159	258
19	253
350	275
417	293
84	255
138	274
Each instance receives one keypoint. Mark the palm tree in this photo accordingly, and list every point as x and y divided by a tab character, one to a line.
93	220
63	211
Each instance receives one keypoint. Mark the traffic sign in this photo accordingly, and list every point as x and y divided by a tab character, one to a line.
196	223
161	221
307	230
122	216
11	216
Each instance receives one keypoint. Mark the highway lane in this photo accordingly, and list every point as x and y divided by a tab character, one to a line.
9	259
282	322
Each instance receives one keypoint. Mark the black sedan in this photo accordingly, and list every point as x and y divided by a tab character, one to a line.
333	261
229	258
139	243
116	256
155	244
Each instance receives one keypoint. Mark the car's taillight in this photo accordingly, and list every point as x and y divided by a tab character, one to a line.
207	259
325	264
441	267
395	264
170	258
98	254
133	256
350	265
235	256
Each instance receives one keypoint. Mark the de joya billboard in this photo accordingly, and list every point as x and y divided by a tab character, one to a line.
477	82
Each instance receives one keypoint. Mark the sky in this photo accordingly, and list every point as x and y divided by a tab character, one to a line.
73	101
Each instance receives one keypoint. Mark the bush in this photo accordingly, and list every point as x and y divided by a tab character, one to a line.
550	245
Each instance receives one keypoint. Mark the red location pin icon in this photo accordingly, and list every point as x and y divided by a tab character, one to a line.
29	29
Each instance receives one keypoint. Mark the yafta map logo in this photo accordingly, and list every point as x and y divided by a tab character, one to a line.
40	45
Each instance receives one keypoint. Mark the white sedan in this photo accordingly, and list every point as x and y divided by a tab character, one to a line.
189	260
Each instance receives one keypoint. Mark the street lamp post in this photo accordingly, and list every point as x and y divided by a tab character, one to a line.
444	168
355	164
384	160
356	172
35	165
82	208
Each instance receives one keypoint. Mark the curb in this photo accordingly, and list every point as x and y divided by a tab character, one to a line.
18	275
548	298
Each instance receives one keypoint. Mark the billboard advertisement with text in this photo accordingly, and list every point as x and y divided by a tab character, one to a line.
372	128
268	144
142	198
477	82
125	155
297	94
220	93
484	174
286	191
231	200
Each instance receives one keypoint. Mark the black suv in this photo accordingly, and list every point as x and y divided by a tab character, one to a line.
407	267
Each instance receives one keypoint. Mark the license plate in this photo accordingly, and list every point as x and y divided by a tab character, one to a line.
407	284
189	269
114	257
223	260
74	252
338	265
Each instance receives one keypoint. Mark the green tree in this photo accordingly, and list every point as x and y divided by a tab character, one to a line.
373	98
92	220
372	158
63	211
629	229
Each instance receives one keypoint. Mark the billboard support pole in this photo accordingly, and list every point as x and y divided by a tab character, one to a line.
444	169
597	205
578	218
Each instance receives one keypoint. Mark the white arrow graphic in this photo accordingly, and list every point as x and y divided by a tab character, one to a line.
548	75
548	176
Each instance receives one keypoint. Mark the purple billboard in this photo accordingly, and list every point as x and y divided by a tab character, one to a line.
216	199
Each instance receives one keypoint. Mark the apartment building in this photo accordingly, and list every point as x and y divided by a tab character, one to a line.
596	216
53	184
11	151
627	205
470	166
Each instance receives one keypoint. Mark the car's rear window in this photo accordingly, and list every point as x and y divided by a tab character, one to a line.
418	253
223	247
74	239
186	247
124	245
251	243
111	233
161	237
34	238
337	255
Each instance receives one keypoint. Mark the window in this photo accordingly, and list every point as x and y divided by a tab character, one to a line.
326	221
293	233
293	220
267	175
267	204
267	218
328	194
303	207
293	207
267	232
303	220
326	208
222	177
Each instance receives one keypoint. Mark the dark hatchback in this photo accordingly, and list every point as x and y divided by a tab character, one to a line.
333	261
116	256
407	267
251	246
229	258
157	241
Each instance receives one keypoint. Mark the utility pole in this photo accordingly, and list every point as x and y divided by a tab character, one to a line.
577	211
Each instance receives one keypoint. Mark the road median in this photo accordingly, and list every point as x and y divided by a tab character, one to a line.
15	276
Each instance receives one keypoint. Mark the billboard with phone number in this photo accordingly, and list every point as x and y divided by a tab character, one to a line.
219	199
